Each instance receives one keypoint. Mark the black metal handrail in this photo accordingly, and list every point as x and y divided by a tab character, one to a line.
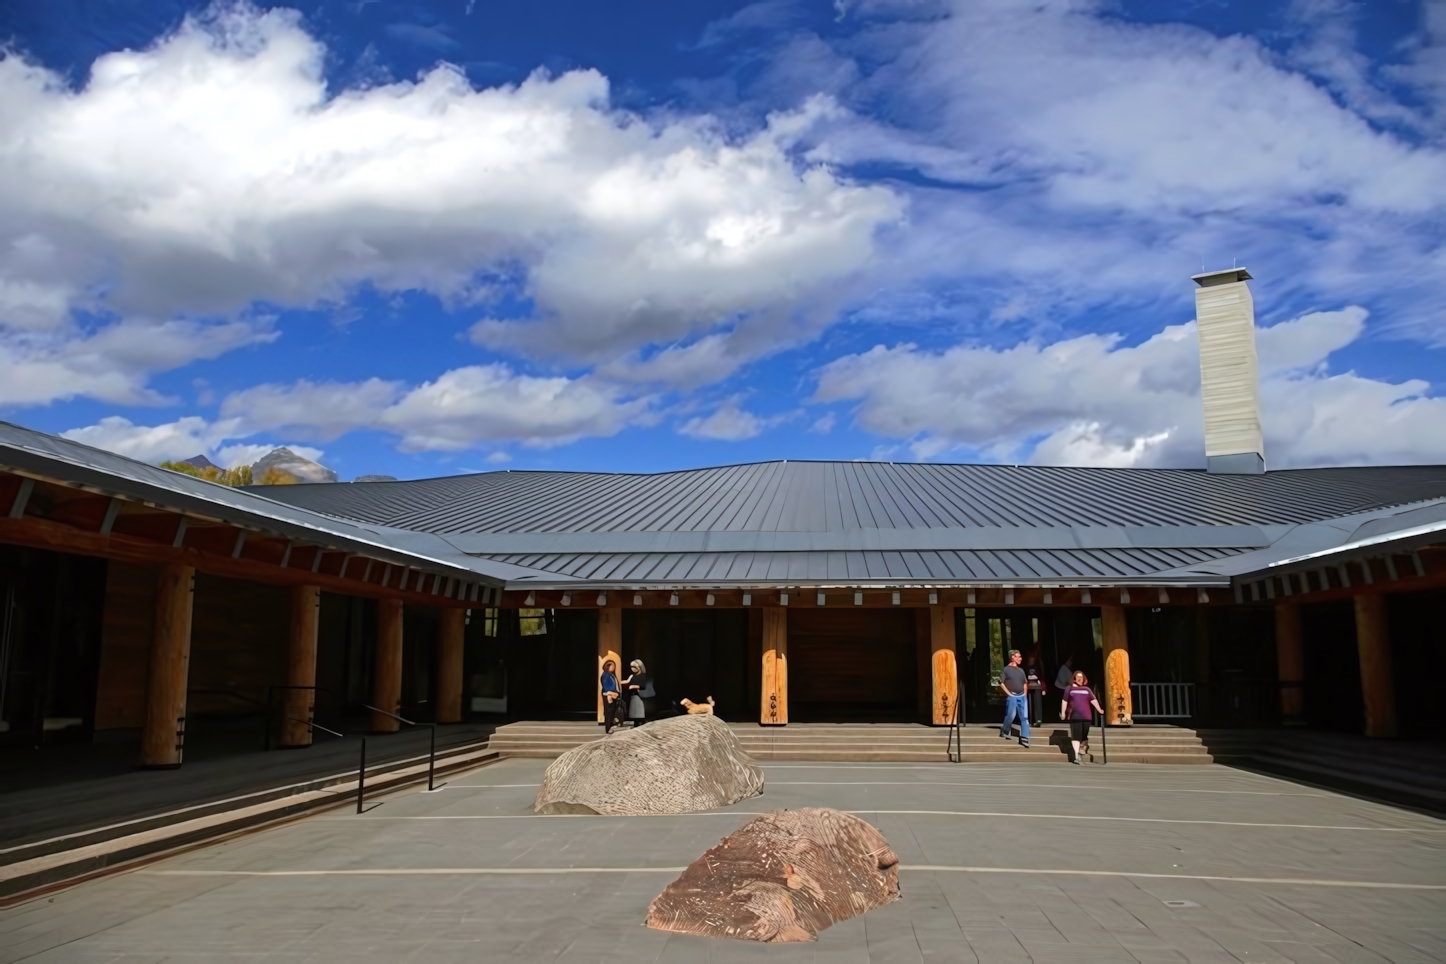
955	747
361	768
432	755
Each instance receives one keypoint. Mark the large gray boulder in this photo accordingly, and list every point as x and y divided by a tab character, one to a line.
676	765
304	469
783	877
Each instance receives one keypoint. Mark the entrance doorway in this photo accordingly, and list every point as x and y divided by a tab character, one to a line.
1047	636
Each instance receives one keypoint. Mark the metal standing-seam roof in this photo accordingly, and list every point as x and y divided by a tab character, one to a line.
38	455
871	522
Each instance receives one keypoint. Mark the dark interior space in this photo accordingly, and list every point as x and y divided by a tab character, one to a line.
692	653
419	654
1332	667
551	655
1162	644
50	632
848	665
345	649
1048	636
1416	622
1241	688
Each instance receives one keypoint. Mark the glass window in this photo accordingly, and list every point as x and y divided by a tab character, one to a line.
533	622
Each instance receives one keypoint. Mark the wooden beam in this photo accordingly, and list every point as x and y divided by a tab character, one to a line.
163	732
1119	708
774	708
257	562
451	630
1378	688
21	498
942	659
387	669
300	704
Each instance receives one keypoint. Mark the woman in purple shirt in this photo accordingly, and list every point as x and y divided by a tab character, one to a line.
1076	704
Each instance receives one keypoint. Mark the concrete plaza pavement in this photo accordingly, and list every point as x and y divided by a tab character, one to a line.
1001	863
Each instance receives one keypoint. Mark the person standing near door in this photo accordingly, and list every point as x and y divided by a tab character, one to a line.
1065	674
1035	685
640	692
612	699
1014	684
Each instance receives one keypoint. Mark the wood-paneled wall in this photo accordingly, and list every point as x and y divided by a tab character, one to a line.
859	656
238	645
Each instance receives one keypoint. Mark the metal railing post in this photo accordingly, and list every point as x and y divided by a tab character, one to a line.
361	775
431	756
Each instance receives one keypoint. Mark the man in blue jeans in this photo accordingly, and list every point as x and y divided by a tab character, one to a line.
1015	684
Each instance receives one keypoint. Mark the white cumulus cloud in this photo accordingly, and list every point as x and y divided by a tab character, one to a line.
729	422
216	169
1091	400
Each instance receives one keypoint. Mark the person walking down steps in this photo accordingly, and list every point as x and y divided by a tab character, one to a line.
1016	701
1076	705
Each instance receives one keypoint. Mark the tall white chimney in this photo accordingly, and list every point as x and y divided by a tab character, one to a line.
1225	317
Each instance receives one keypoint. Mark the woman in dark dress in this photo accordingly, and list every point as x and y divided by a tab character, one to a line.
1075	705
640	692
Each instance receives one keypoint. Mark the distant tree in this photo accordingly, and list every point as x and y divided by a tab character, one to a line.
241	475
275	476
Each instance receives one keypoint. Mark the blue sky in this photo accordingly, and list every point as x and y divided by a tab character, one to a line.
427	238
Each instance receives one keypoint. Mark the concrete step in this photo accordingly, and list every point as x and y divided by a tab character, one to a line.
899	743
45	864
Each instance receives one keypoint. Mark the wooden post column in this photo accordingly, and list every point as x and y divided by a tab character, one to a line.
300	704
609	647
943	661
163	732
387	670
451	630
1377	685
1119	706
774	708
1290	661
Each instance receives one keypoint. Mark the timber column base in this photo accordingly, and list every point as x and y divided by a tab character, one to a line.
1290	663
944	665
773	710
1378	684
387	672
300	702
1118	704
163	733
451	634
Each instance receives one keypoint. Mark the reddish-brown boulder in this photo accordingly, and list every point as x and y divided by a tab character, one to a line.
784	877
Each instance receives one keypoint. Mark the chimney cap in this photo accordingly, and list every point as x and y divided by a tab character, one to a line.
1222	277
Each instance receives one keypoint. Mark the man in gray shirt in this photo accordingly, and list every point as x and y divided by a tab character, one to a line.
1014	684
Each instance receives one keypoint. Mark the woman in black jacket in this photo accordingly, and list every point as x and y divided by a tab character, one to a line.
640	693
